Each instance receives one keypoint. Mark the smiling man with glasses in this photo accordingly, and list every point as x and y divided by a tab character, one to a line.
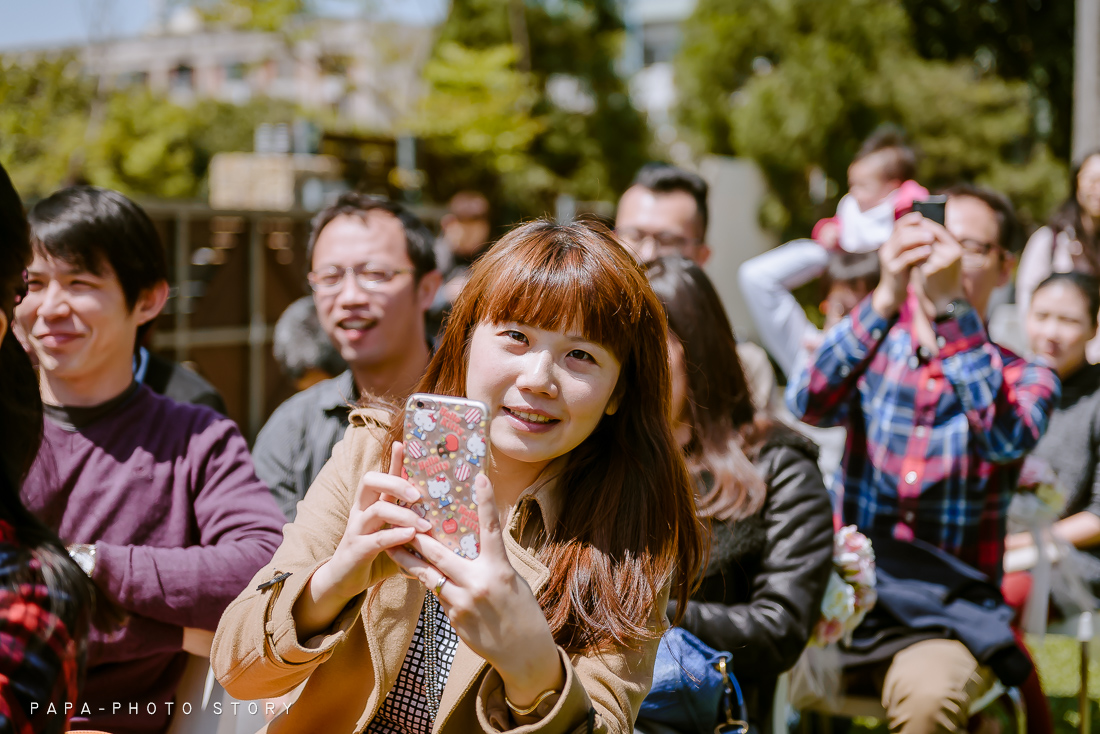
373	275
664	212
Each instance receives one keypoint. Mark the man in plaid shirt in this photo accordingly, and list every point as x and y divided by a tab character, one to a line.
938	419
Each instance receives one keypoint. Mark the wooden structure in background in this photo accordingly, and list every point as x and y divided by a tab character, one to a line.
231	275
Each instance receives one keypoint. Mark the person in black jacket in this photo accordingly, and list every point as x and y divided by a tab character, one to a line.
761	494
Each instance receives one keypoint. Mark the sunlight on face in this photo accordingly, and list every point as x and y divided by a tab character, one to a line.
77	322
1059	326
546	390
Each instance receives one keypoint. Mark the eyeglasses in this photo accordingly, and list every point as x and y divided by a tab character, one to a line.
366	277
975	254
667	243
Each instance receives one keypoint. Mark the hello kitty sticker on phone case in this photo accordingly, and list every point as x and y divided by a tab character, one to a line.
445	450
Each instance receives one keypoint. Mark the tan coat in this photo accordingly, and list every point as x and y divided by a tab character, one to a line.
353	665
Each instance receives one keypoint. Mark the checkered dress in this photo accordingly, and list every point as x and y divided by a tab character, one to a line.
408	708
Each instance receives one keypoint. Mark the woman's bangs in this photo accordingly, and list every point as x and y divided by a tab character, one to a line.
565	289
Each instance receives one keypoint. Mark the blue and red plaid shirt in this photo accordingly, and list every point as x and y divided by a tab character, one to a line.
38	658
935	442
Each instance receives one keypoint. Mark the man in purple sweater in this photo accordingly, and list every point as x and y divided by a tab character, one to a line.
157	500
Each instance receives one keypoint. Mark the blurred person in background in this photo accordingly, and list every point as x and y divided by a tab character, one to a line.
939	419
176	381
302	348
373	274
1069	243
767	282
665	212
157	500
1061	320
759	491
880	190
45	598
465	237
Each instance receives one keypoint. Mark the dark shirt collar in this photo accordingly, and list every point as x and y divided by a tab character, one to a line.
338	394
1084	381
75	418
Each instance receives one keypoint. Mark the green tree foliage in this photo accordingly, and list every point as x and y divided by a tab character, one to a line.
143	145
1031	41
524	99
796	85
269	16
43	121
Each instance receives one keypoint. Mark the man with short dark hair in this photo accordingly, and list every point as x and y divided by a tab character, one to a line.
664	212
938	420
373	274
157	499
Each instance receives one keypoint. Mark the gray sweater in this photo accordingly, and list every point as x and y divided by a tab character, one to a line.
1071	446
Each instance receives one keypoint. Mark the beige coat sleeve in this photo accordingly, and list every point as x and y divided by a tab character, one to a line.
256	651
612	685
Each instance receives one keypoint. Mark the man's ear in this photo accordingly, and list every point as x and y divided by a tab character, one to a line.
427	287
702	254
150	302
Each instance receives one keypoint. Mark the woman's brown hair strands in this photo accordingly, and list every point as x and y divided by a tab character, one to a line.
726	431
628	522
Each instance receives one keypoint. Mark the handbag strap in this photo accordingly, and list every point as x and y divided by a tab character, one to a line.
731	695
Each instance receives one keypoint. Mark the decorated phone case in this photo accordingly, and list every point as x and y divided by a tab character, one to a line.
445	450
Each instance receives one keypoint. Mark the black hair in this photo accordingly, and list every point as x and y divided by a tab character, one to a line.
1069	218
854	269
662	178
1087	285
300	344
89	227
71	594
418	238
899	161
1010	233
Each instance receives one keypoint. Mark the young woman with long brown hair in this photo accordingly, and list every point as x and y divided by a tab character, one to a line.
586	513
761	494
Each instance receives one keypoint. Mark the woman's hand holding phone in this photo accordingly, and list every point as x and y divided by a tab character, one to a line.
375	523
489	605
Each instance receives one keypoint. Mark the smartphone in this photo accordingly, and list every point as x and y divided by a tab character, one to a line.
446	447
932	208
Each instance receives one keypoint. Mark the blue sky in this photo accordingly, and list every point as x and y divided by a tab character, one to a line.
28	23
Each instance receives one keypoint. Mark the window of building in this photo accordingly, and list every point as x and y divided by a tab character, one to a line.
183	77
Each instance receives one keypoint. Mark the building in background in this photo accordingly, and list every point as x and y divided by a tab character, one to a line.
365	73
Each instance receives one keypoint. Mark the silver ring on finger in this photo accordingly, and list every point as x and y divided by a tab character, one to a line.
439	584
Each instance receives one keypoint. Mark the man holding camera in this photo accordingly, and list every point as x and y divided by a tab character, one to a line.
938	420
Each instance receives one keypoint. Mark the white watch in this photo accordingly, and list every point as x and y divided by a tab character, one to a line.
84	555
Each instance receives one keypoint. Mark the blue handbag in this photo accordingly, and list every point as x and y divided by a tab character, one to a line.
693	689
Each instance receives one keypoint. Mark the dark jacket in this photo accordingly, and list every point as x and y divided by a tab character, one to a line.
761	593
926	593
181	384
